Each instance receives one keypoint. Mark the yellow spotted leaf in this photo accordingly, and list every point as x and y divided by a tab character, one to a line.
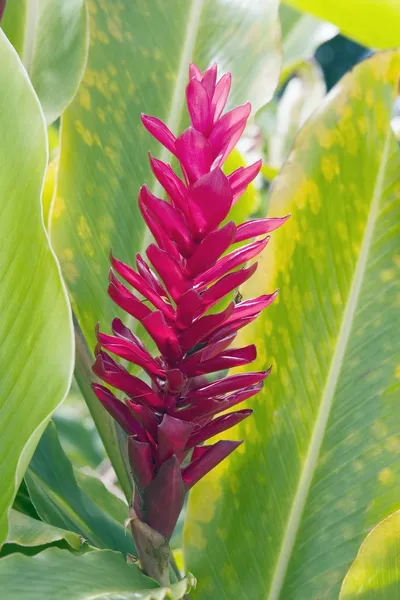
283	518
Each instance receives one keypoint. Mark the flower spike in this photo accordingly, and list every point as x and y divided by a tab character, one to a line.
189	269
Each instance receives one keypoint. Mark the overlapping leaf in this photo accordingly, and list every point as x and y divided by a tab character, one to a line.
51	38
28	532
56	573
36	345
284	518
62	502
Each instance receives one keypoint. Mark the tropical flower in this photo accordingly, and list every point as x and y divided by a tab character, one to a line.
170	412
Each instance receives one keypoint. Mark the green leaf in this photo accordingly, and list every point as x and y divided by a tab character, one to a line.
51	37
26	531
284	517
97	491
105	575
368	22
62	501
104	145
374	575
36	343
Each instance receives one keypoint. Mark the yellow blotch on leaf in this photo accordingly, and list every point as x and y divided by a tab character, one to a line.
68	254
70	272
84	98
329	167
115	30
386	476
387	275
58	207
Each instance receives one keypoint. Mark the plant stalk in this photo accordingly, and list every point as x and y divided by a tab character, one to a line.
153	549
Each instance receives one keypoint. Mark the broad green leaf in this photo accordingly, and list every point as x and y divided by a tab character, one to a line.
105	575
51	38
36	343
79	439
23	502
26	531
97	491
138	62
284	517
62	501
371	23
374	575
301	35
77	432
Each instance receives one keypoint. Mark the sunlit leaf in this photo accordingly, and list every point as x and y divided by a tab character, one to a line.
36	344
284	517
375	575
371	23
56	573
51	39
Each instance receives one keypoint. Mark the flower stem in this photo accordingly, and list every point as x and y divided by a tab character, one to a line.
153	549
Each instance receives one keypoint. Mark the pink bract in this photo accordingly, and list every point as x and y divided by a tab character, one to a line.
187	271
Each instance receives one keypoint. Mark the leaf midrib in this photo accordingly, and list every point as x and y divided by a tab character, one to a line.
178	96
310	464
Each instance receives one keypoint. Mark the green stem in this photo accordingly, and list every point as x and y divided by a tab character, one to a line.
112	436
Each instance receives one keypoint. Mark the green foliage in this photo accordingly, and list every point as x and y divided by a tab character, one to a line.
36	349
51	38
371	23
25	531
374	575
284	517
62	501
56	573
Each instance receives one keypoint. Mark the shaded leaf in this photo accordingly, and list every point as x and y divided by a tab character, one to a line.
36	344
55	573
62	502
284	517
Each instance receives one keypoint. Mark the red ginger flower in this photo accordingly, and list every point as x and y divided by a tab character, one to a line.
175	413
